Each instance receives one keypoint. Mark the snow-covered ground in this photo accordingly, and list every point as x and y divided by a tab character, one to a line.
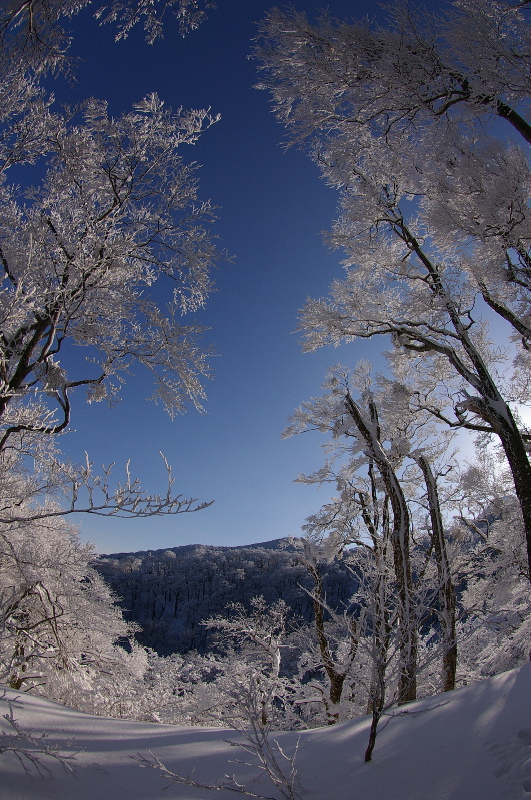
470	744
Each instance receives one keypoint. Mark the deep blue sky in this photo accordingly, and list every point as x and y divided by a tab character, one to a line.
273	208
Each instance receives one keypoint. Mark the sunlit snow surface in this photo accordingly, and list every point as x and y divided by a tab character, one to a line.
471	744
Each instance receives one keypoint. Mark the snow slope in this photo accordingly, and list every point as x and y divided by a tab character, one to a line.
470	744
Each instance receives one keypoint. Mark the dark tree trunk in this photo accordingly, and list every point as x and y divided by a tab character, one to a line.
498	414
381	639
377	709
516	454
446	589
335	676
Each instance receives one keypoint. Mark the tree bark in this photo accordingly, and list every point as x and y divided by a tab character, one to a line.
446	589
407	685
498	415
335	676
516	454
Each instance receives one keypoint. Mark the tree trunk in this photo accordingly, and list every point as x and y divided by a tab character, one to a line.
408	643
516	454
497	413
377	709
381	638
17	677
446	589
335	676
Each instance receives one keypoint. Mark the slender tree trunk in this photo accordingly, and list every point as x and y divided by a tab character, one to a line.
377	704
381	637
407	684
446	589
17	677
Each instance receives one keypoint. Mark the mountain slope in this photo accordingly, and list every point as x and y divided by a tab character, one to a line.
169	592
468	744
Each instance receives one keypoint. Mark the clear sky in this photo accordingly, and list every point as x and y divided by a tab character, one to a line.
272	209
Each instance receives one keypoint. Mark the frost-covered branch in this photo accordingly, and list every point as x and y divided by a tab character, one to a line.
85	492
33	751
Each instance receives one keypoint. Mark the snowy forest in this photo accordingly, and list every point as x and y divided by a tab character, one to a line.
413	578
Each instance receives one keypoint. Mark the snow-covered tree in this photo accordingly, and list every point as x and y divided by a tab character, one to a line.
117	211
258	687
34	30
110	207
373	450
264	625
358	421
434	204
420	67
446	593
59	622
113	211
338	634
494	607
489	543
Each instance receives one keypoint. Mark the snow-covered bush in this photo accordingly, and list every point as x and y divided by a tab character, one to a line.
60	625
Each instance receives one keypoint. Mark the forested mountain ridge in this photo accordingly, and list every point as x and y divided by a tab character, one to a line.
169	592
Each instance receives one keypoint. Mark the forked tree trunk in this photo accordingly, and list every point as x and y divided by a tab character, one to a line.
335	674
377	703
408	638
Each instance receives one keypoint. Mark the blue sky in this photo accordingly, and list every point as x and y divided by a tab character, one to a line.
273	208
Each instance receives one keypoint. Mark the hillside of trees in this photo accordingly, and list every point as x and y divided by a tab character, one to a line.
168	593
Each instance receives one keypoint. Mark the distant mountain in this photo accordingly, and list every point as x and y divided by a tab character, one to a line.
168	592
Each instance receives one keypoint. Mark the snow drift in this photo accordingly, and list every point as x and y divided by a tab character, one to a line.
472	743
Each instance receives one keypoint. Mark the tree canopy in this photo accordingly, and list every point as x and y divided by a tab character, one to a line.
434	216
